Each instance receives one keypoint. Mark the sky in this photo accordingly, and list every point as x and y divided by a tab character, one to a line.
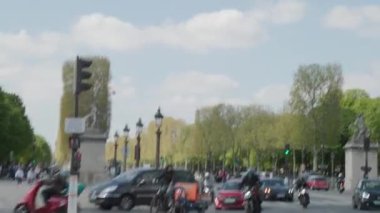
183	55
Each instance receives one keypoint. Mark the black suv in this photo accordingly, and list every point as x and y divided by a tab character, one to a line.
132	188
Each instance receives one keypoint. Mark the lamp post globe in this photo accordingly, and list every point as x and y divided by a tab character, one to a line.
158	118
126	133
139	128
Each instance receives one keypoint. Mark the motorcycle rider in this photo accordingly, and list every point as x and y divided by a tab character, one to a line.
300	183
208	181
55	185
166	178
252	180
340	179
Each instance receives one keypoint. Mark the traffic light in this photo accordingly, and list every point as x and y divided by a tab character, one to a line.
82	74
287	149
74	142
77	158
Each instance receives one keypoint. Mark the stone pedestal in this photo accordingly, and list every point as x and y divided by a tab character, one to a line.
355	159
93	166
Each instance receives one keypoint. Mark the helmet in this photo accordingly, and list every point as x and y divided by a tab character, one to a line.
169	168
207	174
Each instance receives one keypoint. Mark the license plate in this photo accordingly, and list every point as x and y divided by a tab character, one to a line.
281	195
376	202
229	200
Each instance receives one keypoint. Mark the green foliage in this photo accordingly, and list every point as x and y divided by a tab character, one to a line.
94	103
16	132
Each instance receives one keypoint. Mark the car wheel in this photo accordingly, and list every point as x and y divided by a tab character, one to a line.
354	206
105	207
21	208
361	206
126	203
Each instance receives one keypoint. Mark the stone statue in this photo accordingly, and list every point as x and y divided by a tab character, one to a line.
361	130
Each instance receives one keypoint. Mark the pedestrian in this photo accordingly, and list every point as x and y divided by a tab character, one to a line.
30	176
19	176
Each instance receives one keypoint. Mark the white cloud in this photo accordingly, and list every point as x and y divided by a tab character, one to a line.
368	81
197	83
364	20
229	28
123	87
288	11
272	95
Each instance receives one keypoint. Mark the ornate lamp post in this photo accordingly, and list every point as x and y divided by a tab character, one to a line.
116	137
158	117
139	128
126	133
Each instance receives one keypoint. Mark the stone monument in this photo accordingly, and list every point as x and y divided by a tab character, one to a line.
93	166
355	155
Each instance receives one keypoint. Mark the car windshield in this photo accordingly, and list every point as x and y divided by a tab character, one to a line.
318	179
126	176
372	185
232	185
273	183
184	176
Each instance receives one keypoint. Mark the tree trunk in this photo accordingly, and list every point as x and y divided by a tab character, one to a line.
315	158
294	163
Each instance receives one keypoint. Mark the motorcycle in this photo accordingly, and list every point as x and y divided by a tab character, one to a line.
341	186
32	202
304	198
208	190
252	203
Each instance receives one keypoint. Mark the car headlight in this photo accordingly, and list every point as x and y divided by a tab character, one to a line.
106	191
290	191
365	195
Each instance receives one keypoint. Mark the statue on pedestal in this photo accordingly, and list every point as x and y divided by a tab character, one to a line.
361	130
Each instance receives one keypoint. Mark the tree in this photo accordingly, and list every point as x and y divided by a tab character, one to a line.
16	131
313	85
94	105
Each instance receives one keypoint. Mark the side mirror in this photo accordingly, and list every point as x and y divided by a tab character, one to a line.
141	182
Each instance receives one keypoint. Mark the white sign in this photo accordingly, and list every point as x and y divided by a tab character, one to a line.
75	125
73	197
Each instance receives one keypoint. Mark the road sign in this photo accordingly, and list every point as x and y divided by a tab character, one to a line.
75	125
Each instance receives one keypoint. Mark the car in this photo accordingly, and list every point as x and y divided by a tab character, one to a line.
229	196
275	189
317	182
366	194
132	188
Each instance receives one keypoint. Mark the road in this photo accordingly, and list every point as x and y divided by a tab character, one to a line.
321	202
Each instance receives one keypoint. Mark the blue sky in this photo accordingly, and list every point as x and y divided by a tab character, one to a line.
182	55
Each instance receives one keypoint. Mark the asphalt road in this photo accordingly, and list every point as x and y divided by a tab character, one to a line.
321	202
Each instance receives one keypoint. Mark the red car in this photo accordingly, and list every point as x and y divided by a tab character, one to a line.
229	196
318	183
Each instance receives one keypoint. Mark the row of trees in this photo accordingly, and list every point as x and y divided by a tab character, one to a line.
318	116
17	139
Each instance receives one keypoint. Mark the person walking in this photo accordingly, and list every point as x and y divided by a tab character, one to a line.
30	177
19	176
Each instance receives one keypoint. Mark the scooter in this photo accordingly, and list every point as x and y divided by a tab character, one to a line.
33	203
304	198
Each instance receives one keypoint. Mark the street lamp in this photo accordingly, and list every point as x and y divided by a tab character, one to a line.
366	147
139	128
158	117
116	137
126	132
